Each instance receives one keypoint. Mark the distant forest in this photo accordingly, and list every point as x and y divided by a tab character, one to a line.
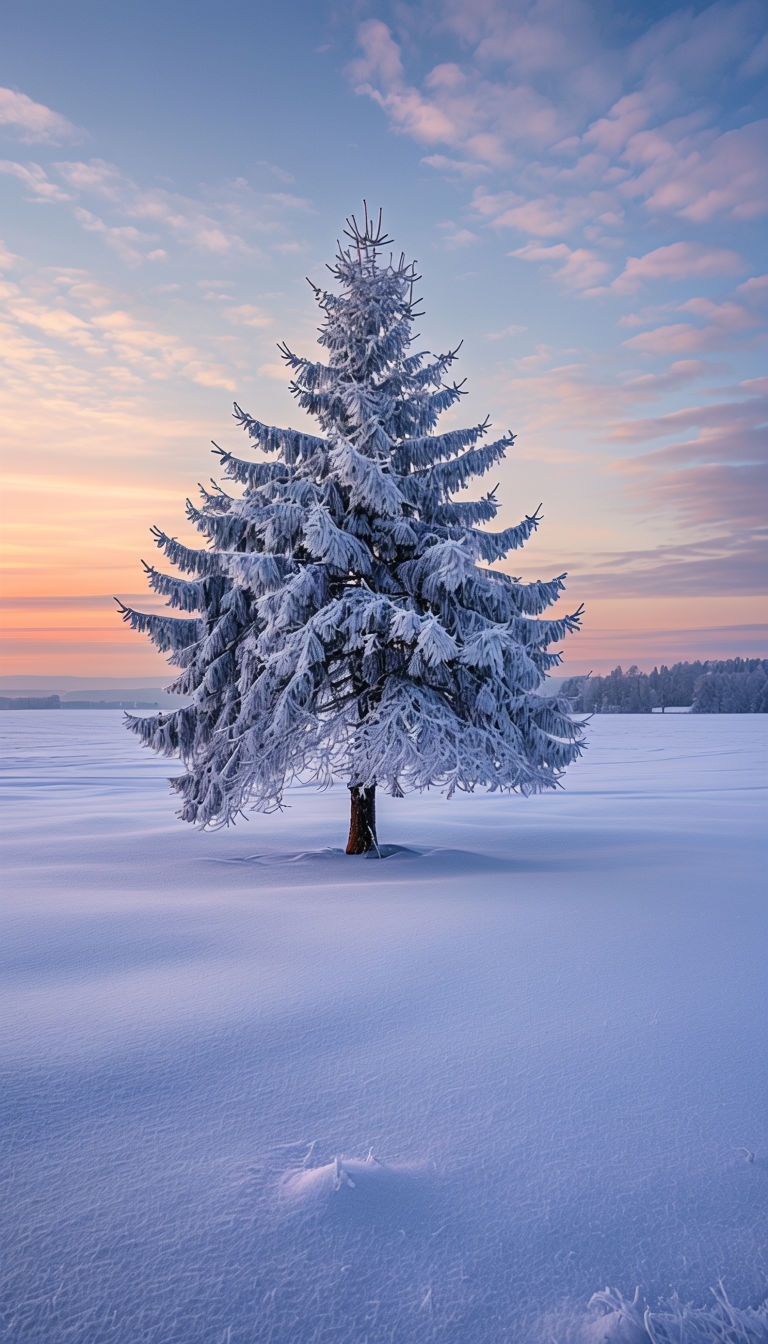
734	686
55	702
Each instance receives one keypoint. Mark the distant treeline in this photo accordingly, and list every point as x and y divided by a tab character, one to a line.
733	686
55	702
30	702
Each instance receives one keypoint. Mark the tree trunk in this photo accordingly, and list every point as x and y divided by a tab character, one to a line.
362	822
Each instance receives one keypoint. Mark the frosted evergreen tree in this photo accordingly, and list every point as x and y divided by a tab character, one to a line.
343	620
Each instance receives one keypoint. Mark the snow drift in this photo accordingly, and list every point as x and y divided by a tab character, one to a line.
547	1023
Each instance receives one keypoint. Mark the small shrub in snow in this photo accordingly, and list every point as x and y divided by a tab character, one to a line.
358	1188
343	619
619	1320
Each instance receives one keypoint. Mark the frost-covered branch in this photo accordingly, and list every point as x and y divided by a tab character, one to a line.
349	622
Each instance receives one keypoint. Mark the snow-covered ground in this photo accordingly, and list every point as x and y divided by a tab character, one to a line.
253	1090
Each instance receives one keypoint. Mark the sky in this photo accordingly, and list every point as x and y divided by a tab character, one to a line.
584	184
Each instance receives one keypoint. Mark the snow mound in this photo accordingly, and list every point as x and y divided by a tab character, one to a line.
614	1319
358	1188
440	859
325	855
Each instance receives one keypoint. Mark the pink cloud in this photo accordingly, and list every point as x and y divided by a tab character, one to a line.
676	339
452	236
94	175
457	106
676	375
739	420
247	315
703	175
713	493
529	47
725	320
379	74
381	55
493	204
755	289
677	261
33	122
717	474
124	239
688	49
487	147
140	224
205	228
461	168
577	268
610	133
726	564
35	180
447	76
545	217
732	316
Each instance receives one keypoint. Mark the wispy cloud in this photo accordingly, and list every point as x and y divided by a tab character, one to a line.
697	175
63	334
730	563
714	492
454	236
676	262
698	471
550	216
754	290
143	223
723	324
155	211
460	168
712	476
37	185
680	373
126	240
739	422
33	122
247	315
379	74
514	329
281	174
577	268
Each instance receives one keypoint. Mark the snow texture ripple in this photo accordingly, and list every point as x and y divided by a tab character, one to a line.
254	1092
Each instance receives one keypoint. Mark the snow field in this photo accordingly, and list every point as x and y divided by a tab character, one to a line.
254	1090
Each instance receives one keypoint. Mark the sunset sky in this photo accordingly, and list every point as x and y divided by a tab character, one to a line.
584	185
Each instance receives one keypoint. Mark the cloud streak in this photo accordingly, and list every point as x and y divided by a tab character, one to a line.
729	563
676	262
142	223
577	268
32	122
725	325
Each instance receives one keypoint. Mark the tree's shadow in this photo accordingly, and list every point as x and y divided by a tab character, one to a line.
438	861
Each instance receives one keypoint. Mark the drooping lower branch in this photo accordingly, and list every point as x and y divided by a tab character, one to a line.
362	821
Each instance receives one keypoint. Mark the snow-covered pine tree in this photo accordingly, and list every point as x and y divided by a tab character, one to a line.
343	620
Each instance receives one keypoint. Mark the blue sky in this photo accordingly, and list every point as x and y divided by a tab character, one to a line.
584	185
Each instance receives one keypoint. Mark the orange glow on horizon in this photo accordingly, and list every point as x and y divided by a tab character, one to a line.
84	635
